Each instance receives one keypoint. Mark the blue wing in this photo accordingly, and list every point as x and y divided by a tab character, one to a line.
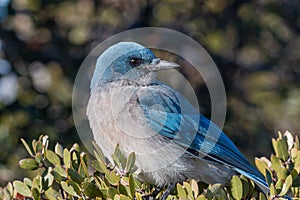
176	119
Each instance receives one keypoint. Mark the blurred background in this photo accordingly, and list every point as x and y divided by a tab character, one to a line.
256	46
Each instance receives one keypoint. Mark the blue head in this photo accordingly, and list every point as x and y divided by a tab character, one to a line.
127	61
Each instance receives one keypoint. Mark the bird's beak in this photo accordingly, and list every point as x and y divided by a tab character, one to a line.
158	64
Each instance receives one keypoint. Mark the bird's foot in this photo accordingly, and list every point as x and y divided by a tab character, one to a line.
168	191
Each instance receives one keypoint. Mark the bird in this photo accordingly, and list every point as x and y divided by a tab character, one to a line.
172	141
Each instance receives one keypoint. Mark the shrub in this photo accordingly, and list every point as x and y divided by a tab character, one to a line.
70	174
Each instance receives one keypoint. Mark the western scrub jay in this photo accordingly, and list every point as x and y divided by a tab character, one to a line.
172	142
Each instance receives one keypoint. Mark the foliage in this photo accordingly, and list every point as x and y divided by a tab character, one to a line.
69	174
255	45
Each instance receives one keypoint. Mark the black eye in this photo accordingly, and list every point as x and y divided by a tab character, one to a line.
135	62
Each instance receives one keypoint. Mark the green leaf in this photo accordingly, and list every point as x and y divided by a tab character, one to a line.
52	194
74	175
131	186
59	150
28	164
74	160
297	162
286	186
6	194
268	177
59	173
130	162
83	166
39	157
261	166
99	153
246	186
275	163
201	197
99	166
27	147
36	194
279	184
22	188
47	179
99	182
109	192
37	182
188	189
44	140
273	191
296	182
68	188
67	158
28	182
119	159
91	190
52	157
282	173
121	197
236	187
124	189
112	178
75	186
262	196
75	147
282	150
180	191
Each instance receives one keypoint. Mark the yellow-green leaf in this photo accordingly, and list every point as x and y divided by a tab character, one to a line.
275	163
121	197
262	196
261	166
68	188
91	190
109	192
246	186
28	164
188	189
51	194
112	178
67	158
131	186
74	175
201	197
39	157
99	166
282	150
99	153
236	187
22	188
59	150
52	157
26	147
130	162
36	194
273	191
75	185
286	186
180	190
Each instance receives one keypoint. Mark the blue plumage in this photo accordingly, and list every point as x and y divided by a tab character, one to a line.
223	151
173	142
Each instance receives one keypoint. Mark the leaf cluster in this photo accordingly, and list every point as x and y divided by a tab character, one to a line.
70	174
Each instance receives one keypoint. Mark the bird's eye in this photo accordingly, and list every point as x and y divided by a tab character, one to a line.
135	62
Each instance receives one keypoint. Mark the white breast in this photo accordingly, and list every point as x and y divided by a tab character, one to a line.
116	118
